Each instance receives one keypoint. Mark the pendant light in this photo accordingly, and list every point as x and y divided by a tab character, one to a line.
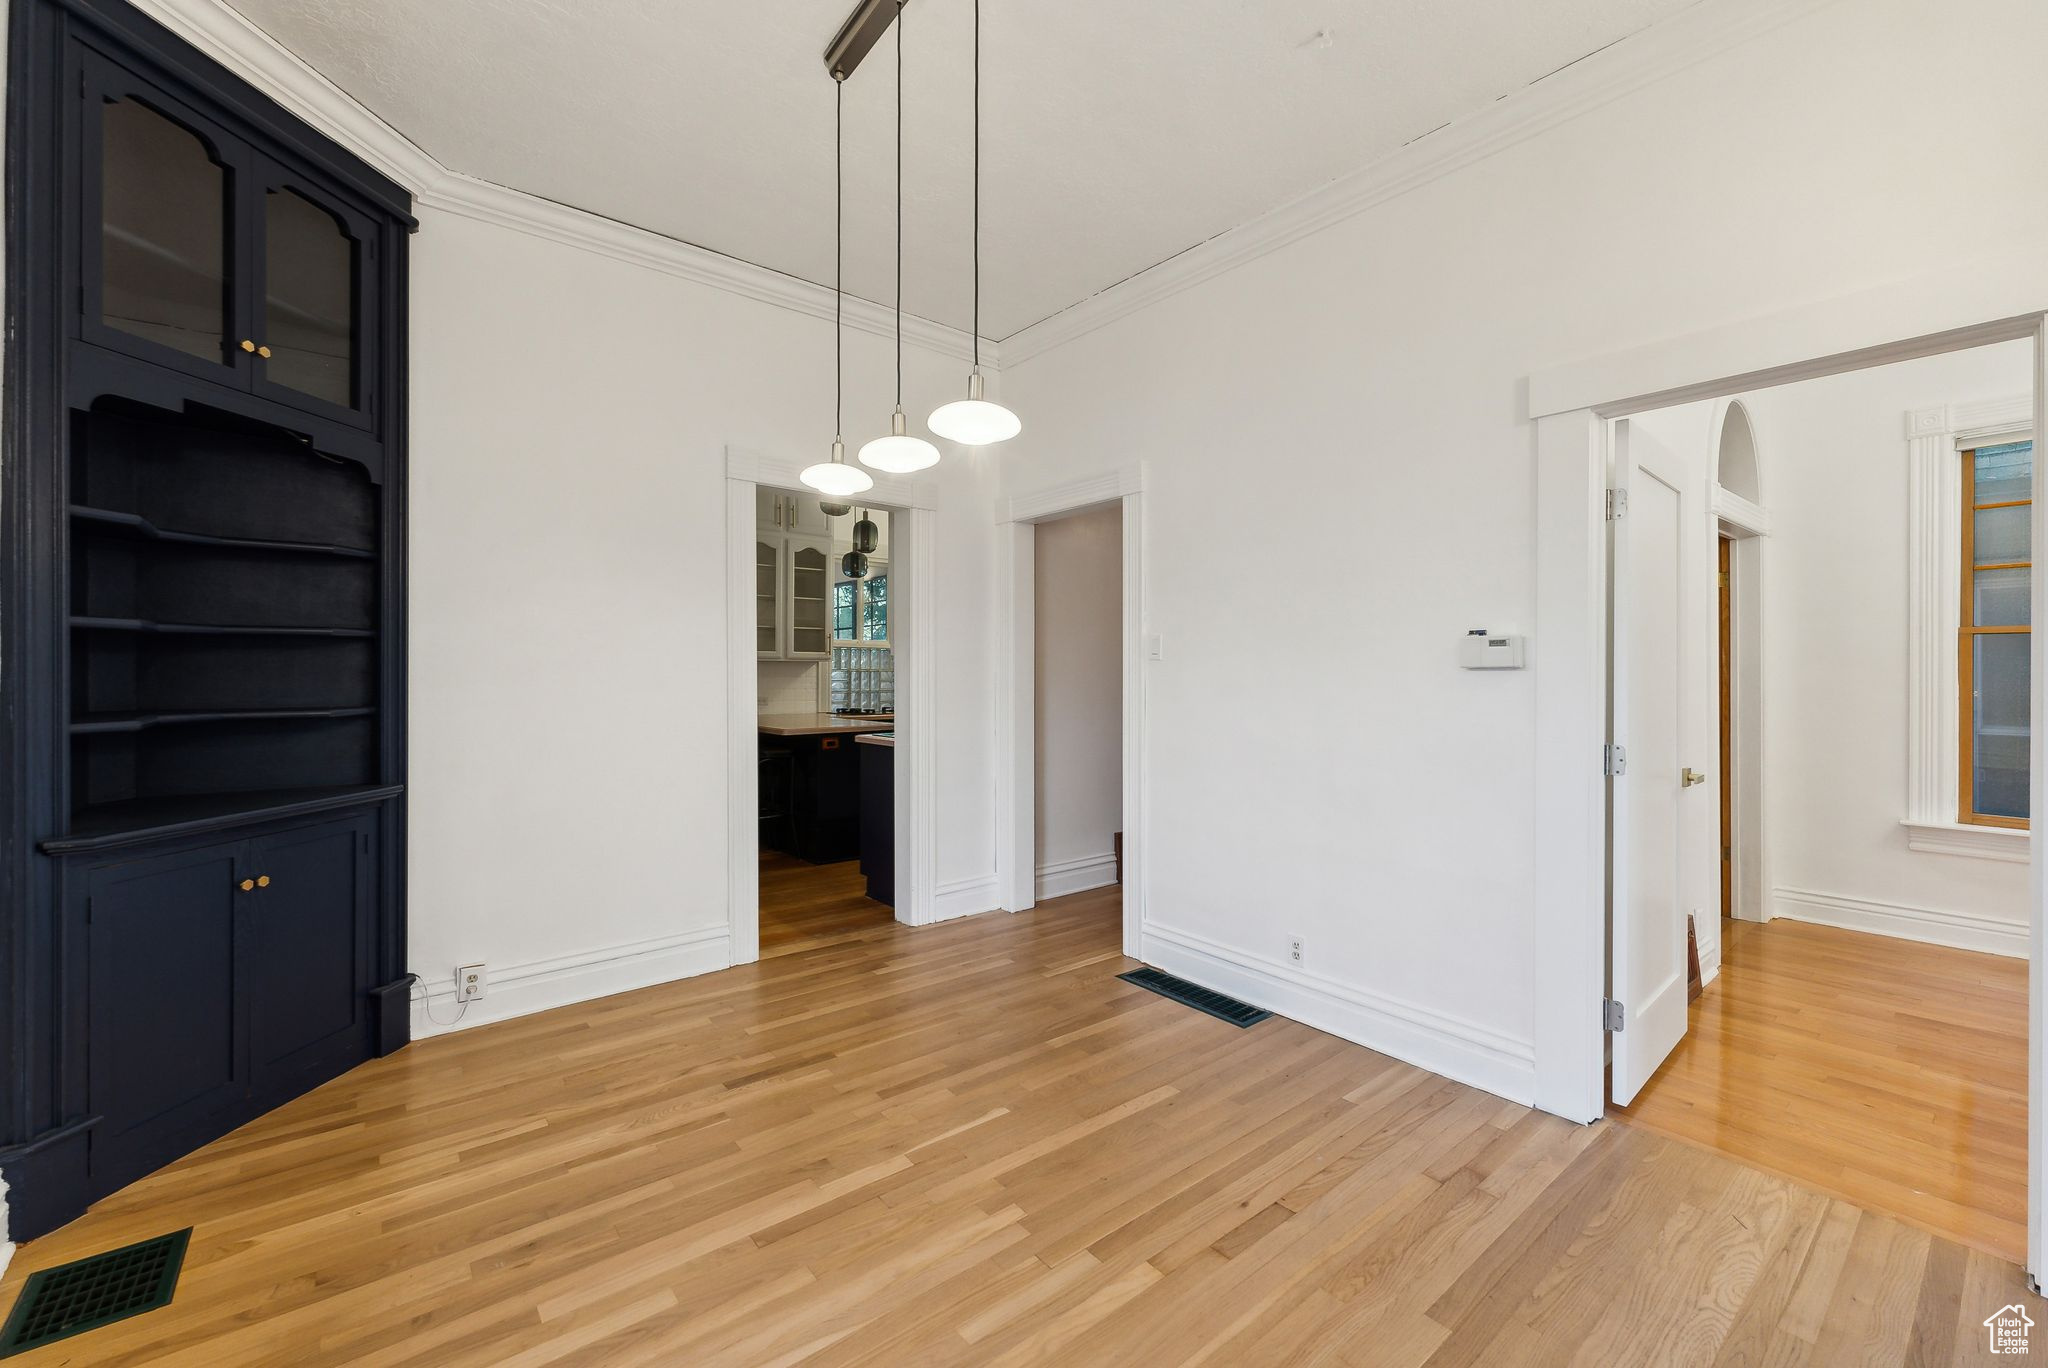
836	477
899	452
975	421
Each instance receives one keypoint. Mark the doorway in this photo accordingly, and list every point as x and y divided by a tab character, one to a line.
1077	702
1866	1031
826	692
1121	496
755	486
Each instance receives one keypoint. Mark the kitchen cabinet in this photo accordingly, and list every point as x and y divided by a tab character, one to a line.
792	596
798	514
202	255
877	759
825	797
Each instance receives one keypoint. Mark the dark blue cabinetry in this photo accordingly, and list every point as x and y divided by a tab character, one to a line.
202	607
221	980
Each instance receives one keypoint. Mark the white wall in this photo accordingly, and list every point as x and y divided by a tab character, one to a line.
1078	699
1835	655
1355	400
569	419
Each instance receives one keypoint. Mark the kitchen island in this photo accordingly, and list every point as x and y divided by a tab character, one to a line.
878	814
810	777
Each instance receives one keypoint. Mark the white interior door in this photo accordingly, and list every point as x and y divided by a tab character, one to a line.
1647	968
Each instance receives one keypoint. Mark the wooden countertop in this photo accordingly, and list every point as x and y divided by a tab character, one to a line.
889	741
821	724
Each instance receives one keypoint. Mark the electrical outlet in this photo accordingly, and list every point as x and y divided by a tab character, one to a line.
1297	951
469	982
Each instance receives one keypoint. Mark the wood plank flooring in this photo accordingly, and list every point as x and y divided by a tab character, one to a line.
1887	1073
808	907
971	1144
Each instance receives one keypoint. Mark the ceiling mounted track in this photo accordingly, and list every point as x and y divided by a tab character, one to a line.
859	34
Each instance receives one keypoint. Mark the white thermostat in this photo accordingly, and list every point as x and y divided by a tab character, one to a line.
1484	650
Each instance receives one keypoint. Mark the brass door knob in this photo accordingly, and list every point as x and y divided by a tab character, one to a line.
263	881
247	884
263	352
247	345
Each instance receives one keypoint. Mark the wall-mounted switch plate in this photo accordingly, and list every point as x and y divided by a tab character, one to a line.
469	982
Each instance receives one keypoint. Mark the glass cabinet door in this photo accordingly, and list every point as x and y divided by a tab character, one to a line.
313	303
768	597
810	622
159	249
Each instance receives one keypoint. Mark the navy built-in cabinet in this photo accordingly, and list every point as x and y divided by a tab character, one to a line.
202	509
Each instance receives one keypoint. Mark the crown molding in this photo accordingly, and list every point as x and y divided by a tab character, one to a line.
229	38
1685	39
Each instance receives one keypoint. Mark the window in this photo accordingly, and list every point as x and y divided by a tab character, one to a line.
860	609
1997	623
874	610
844	594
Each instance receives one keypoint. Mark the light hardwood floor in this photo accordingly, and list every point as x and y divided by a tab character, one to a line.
808	907
1887	1073
970	1144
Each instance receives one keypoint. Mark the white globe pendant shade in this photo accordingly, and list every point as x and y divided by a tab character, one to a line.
836	476
974	421
899	453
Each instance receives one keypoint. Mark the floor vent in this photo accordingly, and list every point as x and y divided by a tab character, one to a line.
1196	996
88	1293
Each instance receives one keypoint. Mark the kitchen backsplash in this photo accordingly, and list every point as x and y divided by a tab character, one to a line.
794	686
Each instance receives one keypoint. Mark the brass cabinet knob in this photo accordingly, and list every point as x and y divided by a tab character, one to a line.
247	884
263	881
1693	777
247	345
263	352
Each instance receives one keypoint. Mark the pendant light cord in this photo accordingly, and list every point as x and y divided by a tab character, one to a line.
838	254
977	184
899	203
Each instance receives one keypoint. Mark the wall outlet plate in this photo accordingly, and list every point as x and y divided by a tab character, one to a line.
1297	951
469	982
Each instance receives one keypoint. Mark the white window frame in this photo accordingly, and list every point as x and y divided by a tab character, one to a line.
1935	439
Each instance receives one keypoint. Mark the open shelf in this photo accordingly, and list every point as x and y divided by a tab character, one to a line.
144	819
110	624
97	724
135	525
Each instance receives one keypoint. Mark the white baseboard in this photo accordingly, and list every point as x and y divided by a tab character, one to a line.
522	989
1057	878
1461	1050
1710	963
965	898
6	1244
1960	930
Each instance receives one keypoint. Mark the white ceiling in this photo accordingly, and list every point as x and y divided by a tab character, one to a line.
1115	134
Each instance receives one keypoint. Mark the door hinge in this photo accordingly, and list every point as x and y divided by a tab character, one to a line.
1614	760
1617	504
1613	1016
